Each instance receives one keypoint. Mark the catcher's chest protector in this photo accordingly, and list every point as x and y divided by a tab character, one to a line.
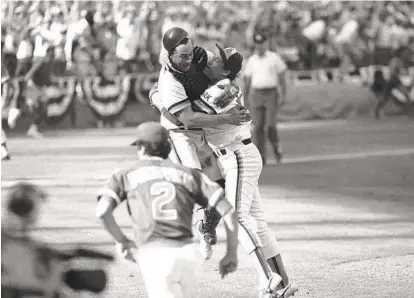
194	81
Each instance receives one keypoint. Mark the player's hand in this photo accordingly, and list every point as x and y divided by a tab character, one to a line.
238	115
228	264
126	249
228	94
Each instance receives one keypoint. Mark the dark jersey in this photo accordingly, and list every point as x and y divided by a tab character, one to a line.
194	81
160	196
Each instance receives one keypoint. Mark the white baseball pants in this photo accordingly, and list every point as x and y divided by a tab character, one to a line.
191	149
241	166
168	271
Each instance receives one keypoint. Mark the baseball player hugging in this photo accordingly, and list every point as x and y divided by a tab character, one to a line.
240	163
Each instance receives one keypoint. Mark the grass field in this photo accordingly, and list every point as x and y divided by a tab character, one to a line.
341	206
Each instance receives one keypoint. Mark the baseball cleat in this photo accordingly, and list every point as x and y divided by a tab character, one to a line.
270	291
205	247
287	291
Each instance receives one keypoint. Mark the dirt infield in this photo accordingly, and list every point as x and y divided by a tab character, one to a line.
341	206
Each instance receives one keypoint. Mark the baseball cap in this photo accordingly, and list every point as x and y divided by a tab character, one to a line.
259	38
232	59
151	132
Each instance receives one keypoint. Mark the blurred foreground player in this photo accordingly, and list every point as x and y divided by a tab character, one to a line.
21	262
30	268
22	208
160	197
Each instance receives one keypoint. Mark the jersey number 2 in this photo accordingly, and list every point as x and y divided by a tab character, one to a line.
164	193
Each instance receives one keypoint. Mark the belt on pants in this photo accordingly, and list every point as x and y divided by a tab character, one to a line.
224	151
180	129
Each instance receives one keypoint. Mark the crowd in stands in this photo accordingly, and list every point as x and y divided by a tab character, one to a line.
308	34
45	40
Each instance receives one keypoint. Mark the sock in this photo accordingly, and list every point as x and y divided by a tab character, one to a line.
222	183
263	270
266	269
276	265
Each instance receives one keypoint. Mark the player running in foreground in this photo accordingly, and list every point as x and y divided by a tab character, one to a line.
240	163
160	196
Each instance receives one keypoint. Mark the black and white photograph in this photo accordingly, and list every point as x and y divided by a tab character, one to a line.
207	149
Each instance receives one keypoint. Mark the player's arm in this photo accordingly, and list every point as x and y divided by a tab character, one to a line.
156	101
175	100
193	119
282	82
281	69
104	211
109	197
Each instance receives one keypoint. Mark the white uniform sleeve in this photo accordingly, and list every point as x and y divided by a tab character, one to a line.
173	95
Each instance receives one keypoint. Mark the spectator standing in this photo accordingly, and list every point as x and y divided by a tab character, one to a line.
4	78
265	74
59	27
402	58
128	41
345	41
151	28
24	62
39	76
79	46
312	36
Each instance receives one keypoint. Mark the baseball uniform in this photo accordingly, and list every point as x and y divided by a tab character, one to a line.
176	91
29	266
240	163
160	197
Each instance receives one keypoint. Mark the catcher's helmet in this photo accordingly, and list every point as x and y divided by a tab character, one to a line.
173	37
